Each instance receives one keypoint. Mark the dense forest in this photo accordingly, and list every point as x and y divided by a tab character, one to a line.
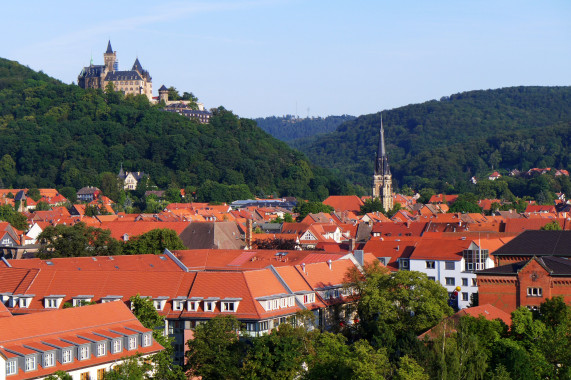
288	128
442	144
58	135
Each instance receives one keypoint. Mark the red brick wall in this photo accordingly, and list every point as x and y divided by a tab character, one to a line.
500	291
510	292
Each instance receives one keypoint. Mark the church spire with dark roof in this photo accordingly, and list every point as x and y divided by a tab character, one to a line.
109	49
382	162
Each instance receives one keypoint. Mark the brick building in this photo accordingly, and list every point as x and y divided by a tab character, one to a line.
525	283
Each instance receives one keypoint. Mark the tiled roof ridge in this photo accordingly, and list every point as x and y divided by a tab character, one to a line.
21	283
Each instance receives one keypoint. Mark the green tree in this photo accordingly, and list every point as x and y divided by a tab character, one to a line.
111	186
164	368
59	375
43	206
34	194
69	193
278	355
392	305
153	242
76	240
372	205
304	208
133	368
409	369
16	219
216	351
552	226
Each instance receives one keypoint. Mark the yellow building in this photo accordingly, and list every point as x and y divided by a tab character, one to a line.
136	81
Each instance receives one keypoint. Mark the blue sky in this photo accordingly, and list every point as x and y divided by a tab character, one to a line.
262	58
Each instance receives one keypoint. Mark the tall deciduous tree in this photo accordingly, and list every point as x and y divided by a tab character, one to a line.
153	242
216	351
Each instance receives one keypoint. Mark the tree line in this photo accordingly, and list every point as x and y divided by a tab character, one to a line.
58	135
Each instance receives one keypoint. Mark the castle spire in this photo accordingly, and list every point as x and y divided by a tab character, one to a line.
109	49
381	151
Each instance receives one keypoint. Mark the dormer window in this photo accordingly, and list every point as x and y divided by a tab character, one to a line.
49	359
193	303
403	263
101	349
81	300
132	343
147	339
11	367
230	304
210	304
53	301
160	302
24	300
66	356
116	346
309	298
30	363
111	299
178	303
83	352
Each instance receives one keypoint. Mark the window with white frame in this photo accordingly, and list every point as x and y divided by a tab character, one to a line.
51	303
450	281
11	367
83	352
250	326
116	346
132	343
534	292
465	296
30	363
264	325
147	340
209	306
432	278
24	302
101	349
192	305
404	264
178	305
6	241
430	264
49	359
66	356
450	265
228	306
308	298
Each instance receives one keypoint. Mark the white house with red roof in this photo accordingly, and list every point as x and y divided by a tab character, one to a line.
85	342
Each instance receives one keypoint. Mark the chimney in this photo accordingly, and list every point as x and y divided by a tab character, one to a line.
329	263
359	256
303	267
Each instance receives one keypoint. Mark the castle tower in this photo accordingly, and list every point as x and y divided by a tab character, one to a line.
164	94
382	179
110	57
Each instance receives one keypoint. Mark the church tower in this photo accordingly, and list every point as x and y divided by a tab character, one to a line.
382	179
110	57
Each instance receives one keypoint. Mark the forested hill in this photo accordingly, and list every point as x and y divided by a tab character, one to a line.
288	128
443	143
58	135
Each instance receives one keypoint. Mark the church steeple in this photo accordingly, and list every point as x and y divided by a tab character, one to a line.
109	57
109	49
382	163
382	179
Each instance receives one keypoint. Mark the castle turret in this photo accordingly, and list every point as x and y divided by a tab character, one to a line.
110	57
163	94
382	179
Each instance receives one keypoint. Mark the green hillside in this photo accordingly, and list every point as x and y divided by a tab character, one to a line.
289	128
443	143
58	135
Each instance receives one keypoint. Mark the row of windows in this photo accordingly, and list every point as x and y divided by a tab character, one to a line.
83	353
448	265
451	281
534	292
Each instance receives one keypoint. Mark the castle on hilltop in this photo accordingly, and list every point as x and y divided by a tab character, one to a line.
382	179
136	81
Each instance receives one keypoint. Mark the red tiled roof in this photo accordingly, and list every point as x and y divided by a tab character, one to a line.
440	249
344	202
489	312
119	227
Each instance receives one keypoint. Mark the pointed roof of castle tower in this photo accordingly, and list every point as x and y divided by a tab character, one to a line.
109	49
137	65
163	88
382	162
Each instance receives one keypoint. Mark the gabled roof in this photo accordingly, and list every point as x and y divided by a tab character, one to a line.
4	312
119	227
